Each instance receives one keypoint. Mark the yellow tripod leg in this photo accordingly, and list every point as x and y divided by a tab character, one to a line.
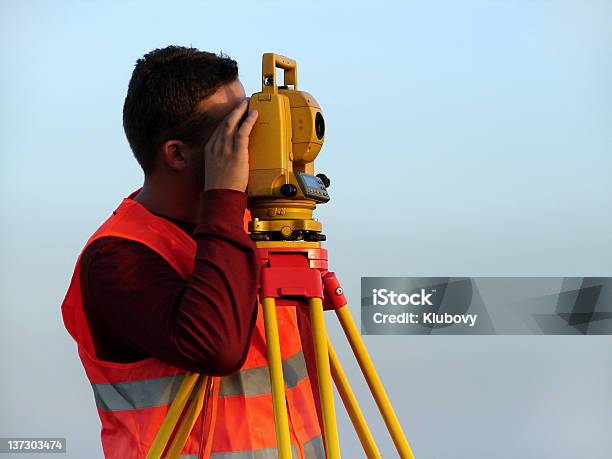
281	420
188	421
376	387
330	430
174	413
352	406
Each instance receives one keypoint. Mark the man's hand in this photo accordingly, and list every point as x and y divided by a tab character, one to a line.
226	160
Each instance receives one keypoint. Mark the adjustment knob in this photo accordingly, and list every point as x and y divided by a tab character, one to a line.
324	179
288	189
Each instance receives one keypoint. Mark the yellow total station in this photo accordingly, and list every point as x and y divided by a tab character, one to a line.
287	137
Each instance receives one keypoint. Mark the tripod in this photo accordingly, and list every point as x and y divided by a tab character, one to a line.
295	269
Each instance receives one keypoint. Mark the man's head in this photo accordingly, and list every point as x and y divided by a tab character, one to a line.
175	98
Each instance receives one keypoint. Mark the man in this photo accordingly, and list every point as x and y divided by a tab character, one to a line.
168	284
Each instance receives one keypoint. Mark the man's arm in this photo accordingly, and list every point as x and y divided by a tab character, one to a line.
138	306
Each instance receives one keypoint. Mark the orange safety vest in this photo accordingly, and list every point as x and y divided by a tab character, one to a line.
237	421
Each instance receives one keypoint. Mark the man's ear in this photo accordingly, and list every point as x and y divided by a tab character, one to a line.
174	155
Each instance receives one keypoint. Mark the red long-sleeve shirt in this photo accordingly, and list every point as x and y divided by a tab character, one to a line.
137	306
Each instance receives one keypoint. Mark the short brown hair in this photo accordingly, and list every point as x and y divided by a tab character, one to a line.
166	86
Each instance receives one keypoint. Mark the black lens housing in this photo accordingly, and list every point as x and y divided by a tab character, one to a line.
319	126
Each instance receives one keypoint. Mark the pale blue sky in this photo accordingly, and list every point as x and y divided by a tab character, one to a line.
463	138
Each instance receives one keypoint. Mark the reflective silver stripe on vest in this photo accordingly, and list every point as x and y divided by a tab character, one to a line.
266	453
256	381
313	449
136	395
149	393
